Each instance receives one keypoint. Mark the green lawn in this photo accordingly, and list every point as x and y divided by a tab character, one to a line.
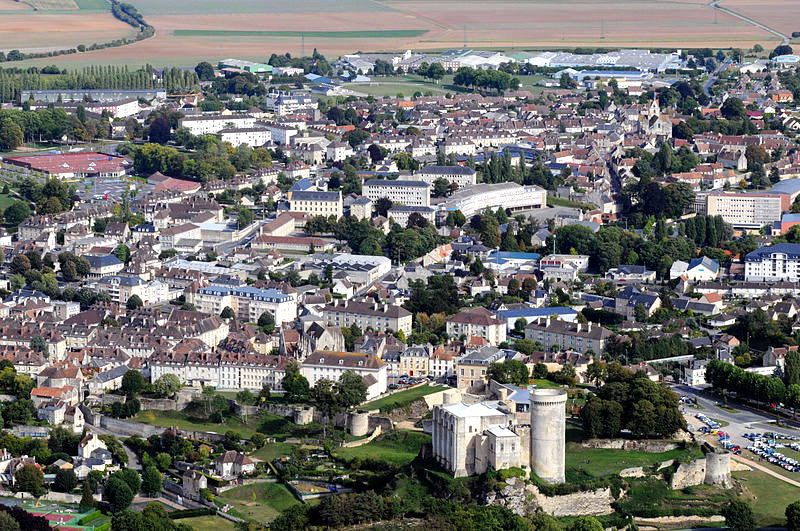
397	449
545	384
769	497
558	201
602	462
202	523
5	201
366	34
261	502
168	419
272	451
402	398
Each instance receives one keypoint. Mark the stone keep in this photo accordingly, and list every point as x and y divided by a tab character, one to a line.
548	433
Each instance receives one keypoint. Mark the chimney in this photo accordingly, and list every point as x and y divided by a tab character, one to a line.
578	327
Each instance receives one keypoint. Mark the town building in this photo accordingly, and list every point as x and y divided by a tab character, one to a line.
378	316
408	193
247	302
563	335
315	203
780	262
331	366
509	196
461	176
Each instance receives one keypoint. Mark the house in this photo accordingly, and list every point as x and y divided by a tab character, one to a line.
472	368
631	274
702	269
694	374
193	483
233	464
89	444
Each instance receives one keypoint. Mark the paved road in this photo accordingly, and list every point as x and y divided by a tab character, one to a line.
742	420
133	461
714	4
713	76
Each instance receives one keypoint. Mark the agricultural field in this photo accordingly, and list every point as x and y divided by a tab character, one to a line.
43	25
188	31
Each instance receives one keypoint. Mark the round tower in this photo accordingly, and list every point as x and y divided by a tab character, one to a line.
358	423
548	433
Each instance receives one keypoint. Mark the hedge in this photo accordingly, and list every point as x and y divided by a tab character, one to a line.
191	513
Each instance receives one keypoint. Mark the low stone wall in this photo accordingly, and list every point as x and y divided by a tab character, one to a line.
159	404
362	442
654	447
713	469
128	428
522	499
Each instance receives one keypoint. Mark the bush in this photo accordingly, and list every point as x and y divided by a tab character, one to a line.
191	513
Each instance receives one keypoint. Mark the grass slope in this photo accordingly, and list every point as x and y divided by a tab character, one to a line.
397	449
167	419
365	34
768	496
261	502
401	398
599	462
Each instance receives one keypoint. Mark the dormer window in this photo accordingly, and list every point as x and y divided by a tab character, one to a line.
322	360
341	362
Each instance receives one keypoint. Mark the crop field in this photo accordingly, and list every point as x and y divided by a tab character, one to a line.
188	31
42	25
779	14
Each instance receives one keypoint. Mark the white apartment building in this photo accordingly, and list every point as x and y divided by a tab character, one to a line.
365	315
510	196
747	210
224	370
338	151
283	103
316	203
779	262
122	288
564	335
251	136
331	366
401	213
459	175
214	123
247	302
478	322
409	193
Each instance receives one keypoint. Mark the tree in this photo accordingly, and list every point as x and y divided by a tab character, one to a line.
733	109
738	516
134	302
38	344
783	49
266	322
509	372
204	71
382	206
351	389
227	313
244	217
7	522
11	135
151	481
163	460
792	368
520	324
132	383
793	516
87	499
167	385
294	384
29	479
65	481
117	493
16	213
585	523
